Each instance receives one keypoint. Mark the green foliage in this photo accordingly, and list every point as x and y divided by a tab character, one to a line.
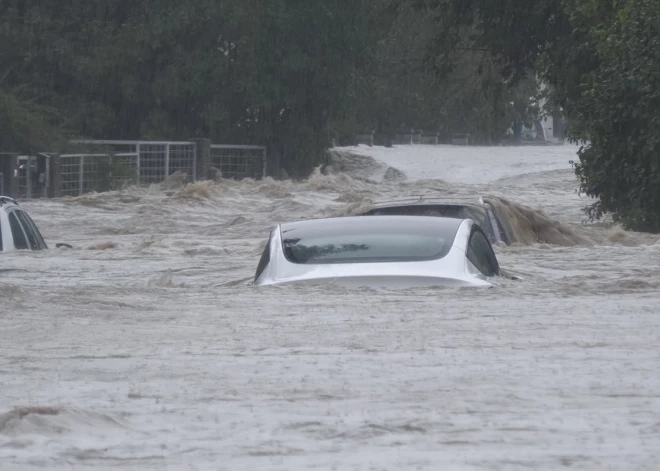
292	75
26	125
113	173
601	60
458	87
239	71
619	112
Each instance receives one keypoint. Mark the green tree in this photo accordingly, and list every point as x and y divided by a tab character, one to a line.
618	113
600	59
237	71
461	89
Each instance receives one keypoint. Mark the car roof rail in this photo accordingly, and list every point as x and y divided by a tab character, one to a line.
7	199
421	199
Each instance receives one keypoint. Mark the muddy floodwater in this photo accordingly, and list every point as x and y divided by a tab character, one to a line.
145	348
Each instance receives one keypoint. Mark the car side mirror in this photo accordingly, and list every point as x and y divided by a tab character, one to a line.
59	246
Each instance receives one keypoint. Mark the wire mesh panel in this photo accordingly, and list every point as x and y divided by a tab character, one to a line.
182	159
82	173
70	175
238	162
23	177
28	184
104	165
95	177
108	172
152	162
123	170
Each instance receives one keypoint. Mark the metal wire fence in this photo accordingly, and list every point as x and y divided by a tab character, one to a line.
124	163
106	165
82	173
238	162
155	160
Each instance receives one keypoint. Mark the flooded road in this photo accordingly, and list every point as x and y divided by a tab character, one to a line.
144	347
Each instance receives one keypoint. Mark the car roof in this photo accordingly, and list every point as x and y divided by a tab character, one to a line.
414	224
431	200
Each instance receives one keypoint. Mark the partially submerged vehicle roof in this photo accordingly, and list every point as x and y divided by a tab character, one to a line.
388	250
7	200
429	200
477	209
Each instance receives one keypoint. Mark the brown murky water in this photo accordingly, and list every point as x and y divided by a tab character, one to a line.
145	348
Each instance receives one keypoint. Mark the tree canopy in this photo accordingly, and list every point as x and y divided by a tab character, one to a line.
290	74
601	61
297	74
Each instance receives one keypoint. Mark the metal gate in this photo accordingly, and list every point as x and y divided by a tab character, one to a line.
27	168
33	178
238	162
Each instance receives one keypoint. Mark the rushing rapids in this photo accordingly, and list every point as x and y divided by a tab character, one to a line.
145	346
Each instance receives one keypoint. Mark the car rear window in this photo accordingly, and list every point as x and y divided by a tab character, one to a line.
420	210
381	240
478	215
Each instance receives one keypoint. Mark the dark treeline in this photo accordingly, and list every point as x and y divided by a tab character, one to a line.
291	74
297	74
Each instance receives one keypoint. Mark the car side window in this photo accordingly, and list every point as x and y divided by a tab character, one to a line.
20	242
29	231
481	254
40	240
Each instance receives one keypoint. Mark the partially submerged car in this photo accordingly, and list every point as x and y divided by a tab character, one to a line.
388	251
480	211
17	230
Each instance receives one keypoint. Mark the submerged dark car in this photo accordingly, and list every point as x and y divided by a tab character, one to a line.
481	212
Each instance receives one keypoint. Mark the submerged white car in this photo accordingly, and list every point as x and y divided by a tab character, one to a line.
384	251
17	230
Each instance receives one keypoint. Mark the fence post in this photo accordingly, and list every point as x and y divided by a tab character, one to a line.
15	179
28	178
9	169
55	177
202	158
82	173
263	174
137	162
167	160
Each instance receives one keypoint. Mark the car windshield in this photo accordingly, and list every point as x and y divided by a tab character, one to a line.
368	240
